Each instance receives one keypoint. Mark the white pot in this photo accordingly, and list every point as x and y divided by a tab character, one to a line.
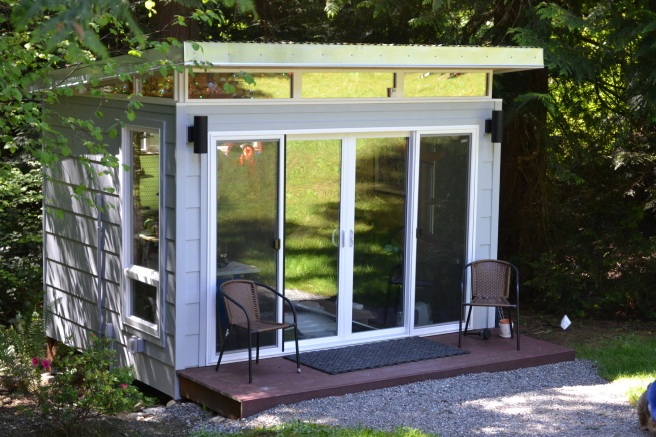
504	328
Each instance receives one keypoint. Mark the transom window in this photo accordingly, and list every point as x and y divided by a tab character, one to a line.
355	84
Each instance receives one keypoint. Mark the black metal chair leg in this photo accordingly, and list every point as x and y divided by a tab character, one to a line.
460	327
517	327
468	318
298	364
250	357
257	348
225	340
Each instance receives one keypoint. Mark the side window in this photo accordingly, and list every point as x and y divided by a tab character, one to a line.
141	205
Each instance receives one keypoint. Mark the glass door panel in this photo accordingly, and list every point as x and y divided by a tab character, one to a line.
246	224
441	227
379	225
312	233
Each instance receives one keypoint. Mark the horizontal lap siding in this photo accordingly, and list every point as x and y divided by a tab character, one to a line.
71	240
249	118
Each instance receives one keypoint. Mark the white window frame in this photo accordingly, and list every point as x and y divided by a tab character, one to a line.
131	272
210	180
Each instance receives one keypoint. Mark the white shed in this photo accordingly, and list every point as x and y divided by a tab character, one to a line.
356	179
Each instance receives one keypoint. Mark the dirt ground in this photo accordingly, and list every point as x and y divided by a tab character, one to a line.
15	423
581	331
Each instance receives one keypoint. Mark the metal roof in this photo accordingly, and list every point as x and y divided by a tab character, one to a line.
234	55
362	56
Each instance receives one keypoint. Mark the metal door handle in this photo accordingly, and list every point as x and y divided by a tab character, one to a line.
351	238
335	243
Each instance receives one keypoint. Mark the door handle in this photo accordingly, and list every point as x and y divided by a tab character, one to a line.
335	243
351	238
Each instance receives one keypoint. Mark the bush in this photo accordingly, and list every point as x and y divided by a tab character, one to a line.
604	278
87	384
21	344
21	275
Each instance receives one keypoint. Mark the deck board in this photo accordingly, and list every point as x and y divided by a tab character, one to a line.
275	380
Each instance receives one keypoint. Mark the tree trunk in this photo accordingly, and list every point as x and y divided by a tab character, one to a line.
166	22
522	224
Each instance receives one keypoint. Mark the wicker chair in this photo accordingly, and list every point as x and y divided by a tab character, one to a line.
243	312
490	287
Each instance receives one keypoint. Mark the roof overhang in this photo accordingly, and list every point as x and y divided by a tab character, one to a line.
362	56
250	56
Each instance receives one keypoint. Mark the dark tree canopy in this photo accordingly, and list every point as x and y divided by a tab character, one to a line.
578	184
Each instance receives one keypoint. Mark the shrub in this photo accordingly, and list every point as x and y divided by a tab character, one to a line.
21	274
87	384
20	344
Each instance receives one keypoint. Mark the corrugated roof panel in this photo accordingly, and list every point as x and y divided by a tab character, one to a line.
316	56
362	56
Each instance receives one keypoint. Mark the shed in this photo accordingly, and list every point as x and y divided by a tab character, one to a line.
356	179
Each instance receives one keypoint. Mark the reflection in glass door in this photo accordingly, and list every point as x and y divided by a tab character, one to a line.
312	233
344	227
246	223
441	227
379	225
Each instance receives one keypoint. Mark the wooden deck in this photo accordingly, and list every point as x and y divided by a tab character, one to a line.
275	380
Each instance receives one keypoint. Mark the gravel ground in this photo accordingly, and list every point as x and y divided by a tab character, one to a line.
564	399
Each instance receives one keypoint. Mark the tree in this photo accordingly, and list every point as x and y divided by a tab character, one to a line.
36	38
600	203
578	186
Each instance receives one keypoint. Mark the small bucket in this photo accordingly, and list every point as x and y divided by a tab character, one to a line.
504	328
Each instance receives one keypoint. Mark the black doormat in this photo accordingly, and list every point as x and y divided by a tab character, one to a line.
374	355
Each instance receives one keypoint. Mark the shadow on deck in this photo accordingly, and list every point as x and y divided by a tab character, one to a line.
275	380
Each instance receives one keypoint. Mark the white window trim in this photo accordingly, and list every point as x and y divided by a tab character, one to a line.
153	332
209	178
414	133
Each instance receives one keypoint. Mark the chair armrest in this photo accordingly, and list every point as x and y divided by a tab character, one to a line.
285	299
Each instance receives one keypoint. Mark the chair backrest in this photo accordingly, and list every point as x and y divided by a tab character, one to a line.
244	292
490	278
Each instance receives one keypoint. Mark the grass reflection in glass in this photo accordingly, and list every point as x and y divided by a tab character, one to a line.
312	215
247	204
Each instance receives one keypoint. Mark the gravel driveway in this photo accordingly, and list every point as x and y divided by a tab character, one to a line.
564	399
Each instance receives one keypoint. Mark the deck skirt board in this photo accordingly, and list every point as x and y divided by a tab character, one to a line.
275	380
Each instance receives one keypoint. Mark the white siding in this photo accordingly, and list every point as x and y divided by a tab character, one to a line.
71	241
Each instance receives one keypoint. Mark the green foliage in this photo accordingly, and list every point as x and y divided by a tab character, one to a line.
37	38
298	428
21	343
74	24
598	212
87	384
20	238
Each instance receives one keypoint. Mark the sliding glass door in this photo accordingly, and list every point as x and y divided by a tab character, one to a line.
246	212
344	225
313	174
330	222
441	227
378	232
